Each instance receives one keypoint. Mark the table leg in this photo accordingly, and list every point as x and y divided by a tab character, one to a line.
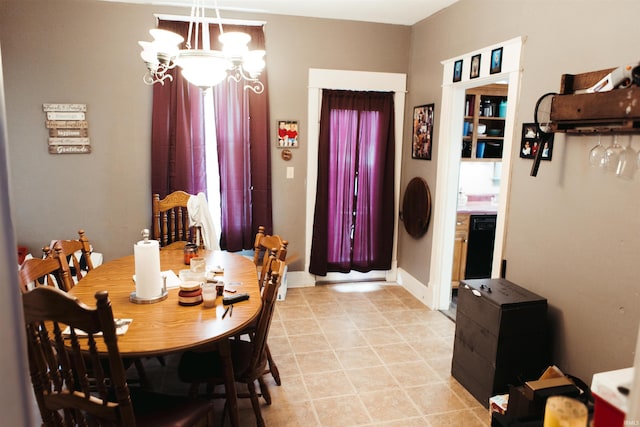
229	381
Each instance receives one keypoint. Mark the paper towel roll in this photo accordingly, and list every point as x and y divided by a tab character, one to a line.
147	263
561	411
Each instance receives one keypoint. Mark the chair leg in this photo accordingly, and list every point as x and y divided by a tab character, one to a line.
264	390
255	403
272	366
194	389
142	374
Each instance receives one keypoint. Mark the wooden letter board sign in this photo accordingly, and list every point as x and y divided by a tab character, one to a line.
68	128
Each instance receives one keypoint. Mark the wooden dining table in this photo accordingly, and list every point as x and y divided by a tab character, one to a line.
166	327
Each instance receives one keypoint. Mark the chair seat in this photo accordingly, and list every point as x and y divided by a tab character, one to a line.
207	366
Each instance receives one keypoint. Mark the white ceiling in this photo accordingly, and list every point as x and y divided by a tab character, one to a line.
402	12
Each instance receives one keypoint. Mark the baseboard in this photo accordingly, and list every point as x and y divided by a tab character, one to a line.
416	288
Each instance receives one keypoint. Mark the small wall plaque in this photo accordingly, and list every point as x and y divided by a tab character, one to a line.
68	128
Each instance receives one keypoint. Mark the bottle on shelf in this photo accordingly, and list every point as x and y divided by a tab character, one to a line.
502	108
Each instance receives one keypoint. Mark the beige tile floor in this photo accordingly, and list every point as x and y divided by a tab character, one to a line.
363	354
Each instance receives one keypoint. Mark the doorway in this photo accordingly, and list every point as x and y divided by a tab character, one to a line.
361	81
449	160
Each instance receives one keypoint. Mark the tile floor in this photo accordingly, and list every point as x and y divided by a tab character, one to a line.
363	354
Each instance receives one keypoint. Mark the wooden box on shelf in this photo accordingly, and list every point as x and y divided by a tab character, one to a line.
573	111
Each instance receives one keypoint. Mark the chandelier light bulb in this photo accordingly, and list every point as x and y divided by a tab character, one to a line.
234	45
253	62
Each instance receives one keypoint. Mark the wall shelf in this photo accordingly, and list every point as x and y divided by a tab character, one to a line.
615	111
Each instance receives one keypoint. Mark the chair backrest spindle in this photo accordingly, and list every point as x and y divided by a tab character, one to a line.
171	220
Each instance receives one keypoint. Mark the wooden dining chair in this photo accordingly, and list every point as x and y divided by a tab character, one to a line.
248	356
63	338
264	246
52	270
171	221
77	253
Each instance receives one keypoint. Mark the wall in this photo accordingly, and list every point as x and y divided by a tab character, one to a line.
16	405
573	234
85	51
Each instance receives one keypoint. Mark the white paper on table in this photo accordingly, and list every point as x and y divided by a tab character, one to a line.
173	281
122	326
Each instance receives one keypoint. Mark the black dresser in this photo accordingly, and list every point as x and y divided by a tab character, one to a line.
501	337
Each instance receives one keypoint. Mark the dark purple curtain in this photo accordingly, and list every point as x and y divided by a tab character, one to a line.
354	214
242	131
177	132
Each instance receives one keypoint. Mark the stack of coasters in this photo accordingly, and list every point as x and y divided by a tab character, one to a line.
190	293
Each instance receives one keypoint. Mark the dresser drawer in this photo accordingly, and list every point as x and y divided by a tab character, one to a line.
476	305
475	337
502	307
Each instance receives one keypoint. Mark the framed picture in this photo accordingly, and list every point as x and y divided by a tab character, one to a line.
287	134
422	132
496	61
530	143
457	70
475	66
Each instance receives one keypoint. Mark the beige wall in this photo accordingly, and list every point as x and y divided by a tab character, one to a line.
573	234
76	51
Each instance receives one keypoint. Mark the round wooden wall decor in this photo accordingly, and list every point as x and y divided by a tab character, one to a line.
286	154
416	207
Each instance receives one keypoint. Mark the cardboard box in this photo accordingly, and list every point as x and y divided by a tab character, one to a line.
549	387
528	401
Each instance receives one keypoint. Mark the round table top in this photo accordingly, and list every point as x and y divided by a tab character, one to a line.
165	327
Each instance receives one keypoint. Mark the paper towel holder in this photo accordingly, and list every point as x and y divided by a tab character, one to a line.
163	295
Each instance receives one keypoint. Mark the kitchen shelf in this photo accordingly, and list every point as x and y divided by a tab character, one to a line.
482	109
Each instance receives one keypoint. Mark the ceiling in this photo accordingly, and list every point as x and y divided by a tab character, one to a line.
401	12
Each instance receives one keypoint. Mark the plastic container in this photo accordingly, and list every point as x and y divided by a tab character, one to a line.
502	108
480	150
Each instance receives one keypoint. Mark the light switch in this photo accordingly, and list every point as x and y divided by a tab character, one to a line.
289	172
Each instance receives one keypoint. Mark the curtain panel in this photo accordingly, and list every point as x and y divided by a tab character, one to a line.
354	215
242	132
177	132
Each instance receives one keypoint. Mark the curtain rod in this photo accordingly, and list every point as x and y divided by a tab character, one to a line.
212	20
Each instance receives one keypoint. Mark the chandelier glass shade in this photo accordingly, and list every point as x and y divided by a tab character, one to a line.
203	67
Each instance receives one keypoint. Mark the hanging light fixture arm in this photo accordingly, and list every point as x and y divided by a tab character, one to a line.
252	83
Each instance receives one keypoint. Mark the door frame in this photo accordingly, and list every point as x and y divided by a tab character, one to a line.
448	161
361	81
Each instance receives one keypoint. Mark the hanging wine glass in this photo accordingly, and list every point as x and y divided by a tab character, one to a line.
627	162
611	156
596	153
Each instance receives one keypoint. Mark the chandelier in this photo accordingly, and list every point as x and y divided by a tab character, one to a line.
203	67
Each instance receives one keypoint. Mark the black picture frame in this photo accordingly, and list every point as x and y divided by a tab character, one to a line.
422	132
496	61
457	71
475	66
531	141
